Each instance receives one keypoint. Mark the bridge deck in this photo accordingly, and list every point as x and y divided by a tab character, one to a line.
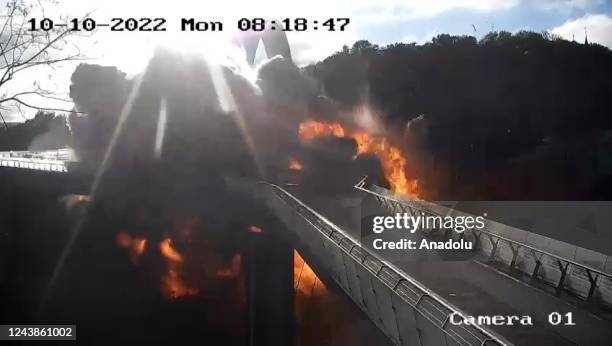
478	289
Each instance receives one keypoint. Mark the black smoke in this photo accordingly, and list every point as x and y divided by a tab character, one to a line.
510	116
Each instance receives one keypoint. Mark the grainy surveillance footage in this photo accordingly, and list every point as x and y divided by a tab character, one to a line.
315	173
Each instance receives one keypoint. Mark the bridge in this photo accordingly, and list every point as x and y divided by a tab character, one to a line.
52	161
510	271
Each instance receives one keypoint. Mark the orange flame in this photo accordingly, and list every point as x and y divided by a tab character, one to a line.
233	271
305	281
173	286
165	246
392	158
139	245
310	129
295	164
134	246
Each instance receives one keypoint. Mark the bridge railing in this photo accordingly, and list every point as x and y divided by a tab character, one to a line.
42	165
65	154
517	248
51	160
397	303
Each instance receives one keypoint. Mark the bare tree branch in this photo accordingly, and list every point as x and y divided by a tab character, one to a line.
22	49
3	121
39	92
21	102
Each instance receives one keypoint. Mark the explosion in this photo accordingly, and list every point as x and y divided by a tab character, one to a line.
295	164
310	129
175	282
233	271
392	158
305	281
172	285
134	246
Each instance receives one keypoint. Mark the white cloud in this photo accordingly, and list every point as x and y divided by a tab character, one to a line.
566	5
403	9
420	39
431	8
598	26
284	8
310	47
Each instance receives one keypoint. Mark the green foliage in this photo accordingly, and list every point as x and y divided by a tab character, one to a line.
21	136
508	116
507	90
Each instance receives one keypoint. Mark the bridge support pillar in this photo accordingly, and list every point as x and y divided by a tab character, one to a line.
270	293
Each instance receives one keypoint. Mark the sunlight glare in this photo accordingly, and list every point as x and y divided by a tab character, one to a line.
161	128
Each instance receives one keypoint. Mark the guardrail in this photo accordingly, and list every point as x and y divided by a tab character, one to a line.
50	160
391	318
35	164
563	264
66	154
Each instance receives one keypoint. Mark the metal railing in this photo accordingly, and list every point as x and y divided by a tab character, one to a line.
42	165
563	263
50	161
65	154
383	270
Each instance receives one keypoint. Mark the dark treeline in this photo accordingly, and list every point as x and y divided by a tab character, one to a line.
509	116
46	131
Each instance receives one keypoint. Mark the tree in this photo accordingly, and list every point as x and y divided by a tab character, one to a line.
45	131
23	49
510	107
362	45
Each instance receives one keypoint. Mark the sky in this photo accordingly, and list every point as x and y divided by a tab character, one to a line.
379	21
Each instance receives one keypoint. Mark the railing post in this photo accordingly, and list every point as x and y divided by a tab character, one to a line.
514	255
593	281
563	269
494	249
538	264
477	235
